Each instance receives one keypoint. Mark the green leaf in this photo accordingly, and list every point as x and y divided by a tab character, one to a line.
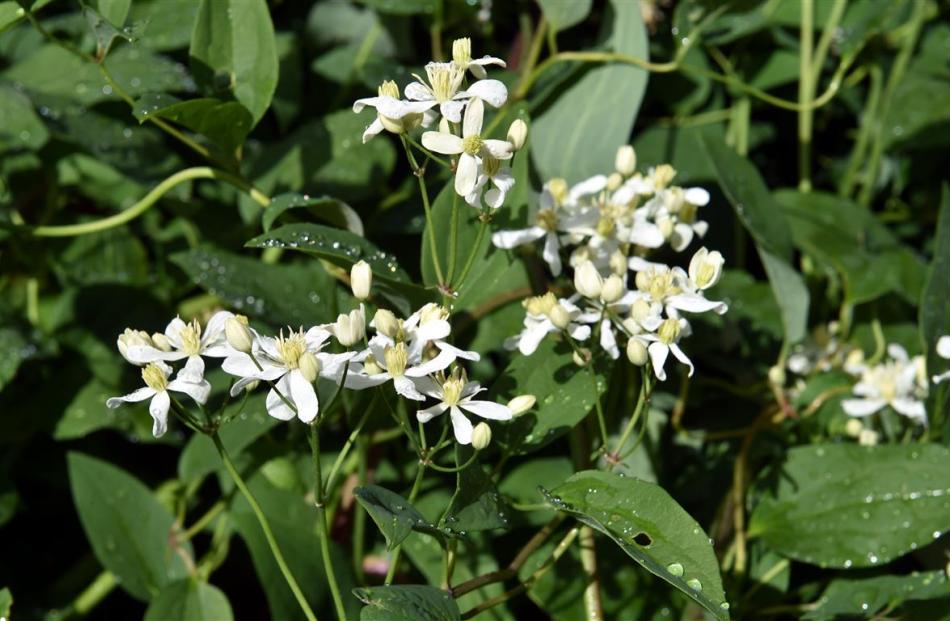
225	123
521	484
331	209
110	256
853	506
762	217
16	349
565	395
233	52
393	514
651	528
408	602
344	248
128	529
6	602
115	11
864	597
168	23
934	305
104	29
190	600
476	505
402	7
562	14
10	14
294	295
595	113
20	127
87	412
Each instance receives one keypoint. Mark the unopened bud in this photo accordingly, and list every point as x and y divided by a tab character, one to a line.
517	133
777	375
854	427
161	341
705	268
636	352
350	329
238	334
618	263
521	404
361	279
588	281
559	316
309	366
626	160
582	357
613	289
252	386
868	437
386	323
481	436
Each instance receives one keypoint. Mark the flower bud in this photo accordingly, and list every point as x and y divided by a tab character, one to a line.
868	437
662	176
636	352
618	263
626	160
632	326
666	225
386	323
669	331
252	386
481	436
588	281
133	338
777	375
705	268
854	427
614	181
559	316
517	133
640	310
161	342
309	366
613	289
582	357
350	329
521	404
361	279
238	334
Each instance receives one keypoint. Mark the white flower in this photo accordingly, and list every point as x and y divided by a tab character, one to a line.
538	323
943	350
891	383
286	362
705	268
588	281
455	394
664	342
442	89
361	279
188	341
155	375
462	56
393	362
469	147
349	329
490	169
393	114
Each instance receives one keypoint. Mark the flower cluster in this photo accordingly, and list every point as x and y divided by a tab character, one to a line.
413	354
607	225
478	161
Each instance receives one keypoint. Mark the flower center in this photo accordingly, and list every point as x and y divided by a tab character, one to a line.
389	89
291	348
371	367
472	144
659	284
433	312
669	331
155	377
558	189
190	337
462	52
541	304
444	79
452	390
605	226
397	357
547	219
490	166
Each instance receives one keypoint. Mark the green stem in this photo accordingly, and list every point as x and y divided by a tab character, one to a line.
265	526
805	90
416	486
197	172
324	531
359	517
204	520
453	237
646	389
876	77
433	245
354	435
33	301
429	154
473	253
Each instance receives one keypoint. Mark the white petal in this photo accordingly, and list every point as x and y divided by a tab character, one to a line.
696	196
424	416
910	408
407	389
681	237
198	391
466	174
304	396
359	104
276	406
941	378
372	129
494	198
158	408
646	234
418	92
133	397
194	369
511	239
491	92
392	108
862	407
359	381
587	187
943	347
459	353
579	332
172	331
433	330
486	60
452	110
679	355
551	255
440	362
461	426
658	353
474	113
607	339
487	409
531	337
695	303
499	149
897	352
447	144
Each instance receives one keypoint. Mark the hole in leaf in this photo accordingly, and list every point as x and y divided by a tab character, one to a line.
642	539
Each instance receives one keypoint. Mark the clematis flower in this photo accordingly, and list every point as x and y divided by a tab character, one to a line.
546	314
392	113
455	394
155	375
470	147
462	57
184	341
292	364
442	89
393	362
893	383
499	176
664	342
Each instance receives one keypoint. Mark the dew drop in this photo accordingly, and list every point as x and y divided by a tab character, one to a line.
675	568
694	584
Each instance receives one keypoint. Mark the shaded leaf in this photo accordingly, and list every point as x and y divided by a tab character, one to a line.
562	14
190	600
476	505
331	209
226	123
20	127
649	526
393	514
402	7
408	602
853	506
6	602
934	305
864	597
